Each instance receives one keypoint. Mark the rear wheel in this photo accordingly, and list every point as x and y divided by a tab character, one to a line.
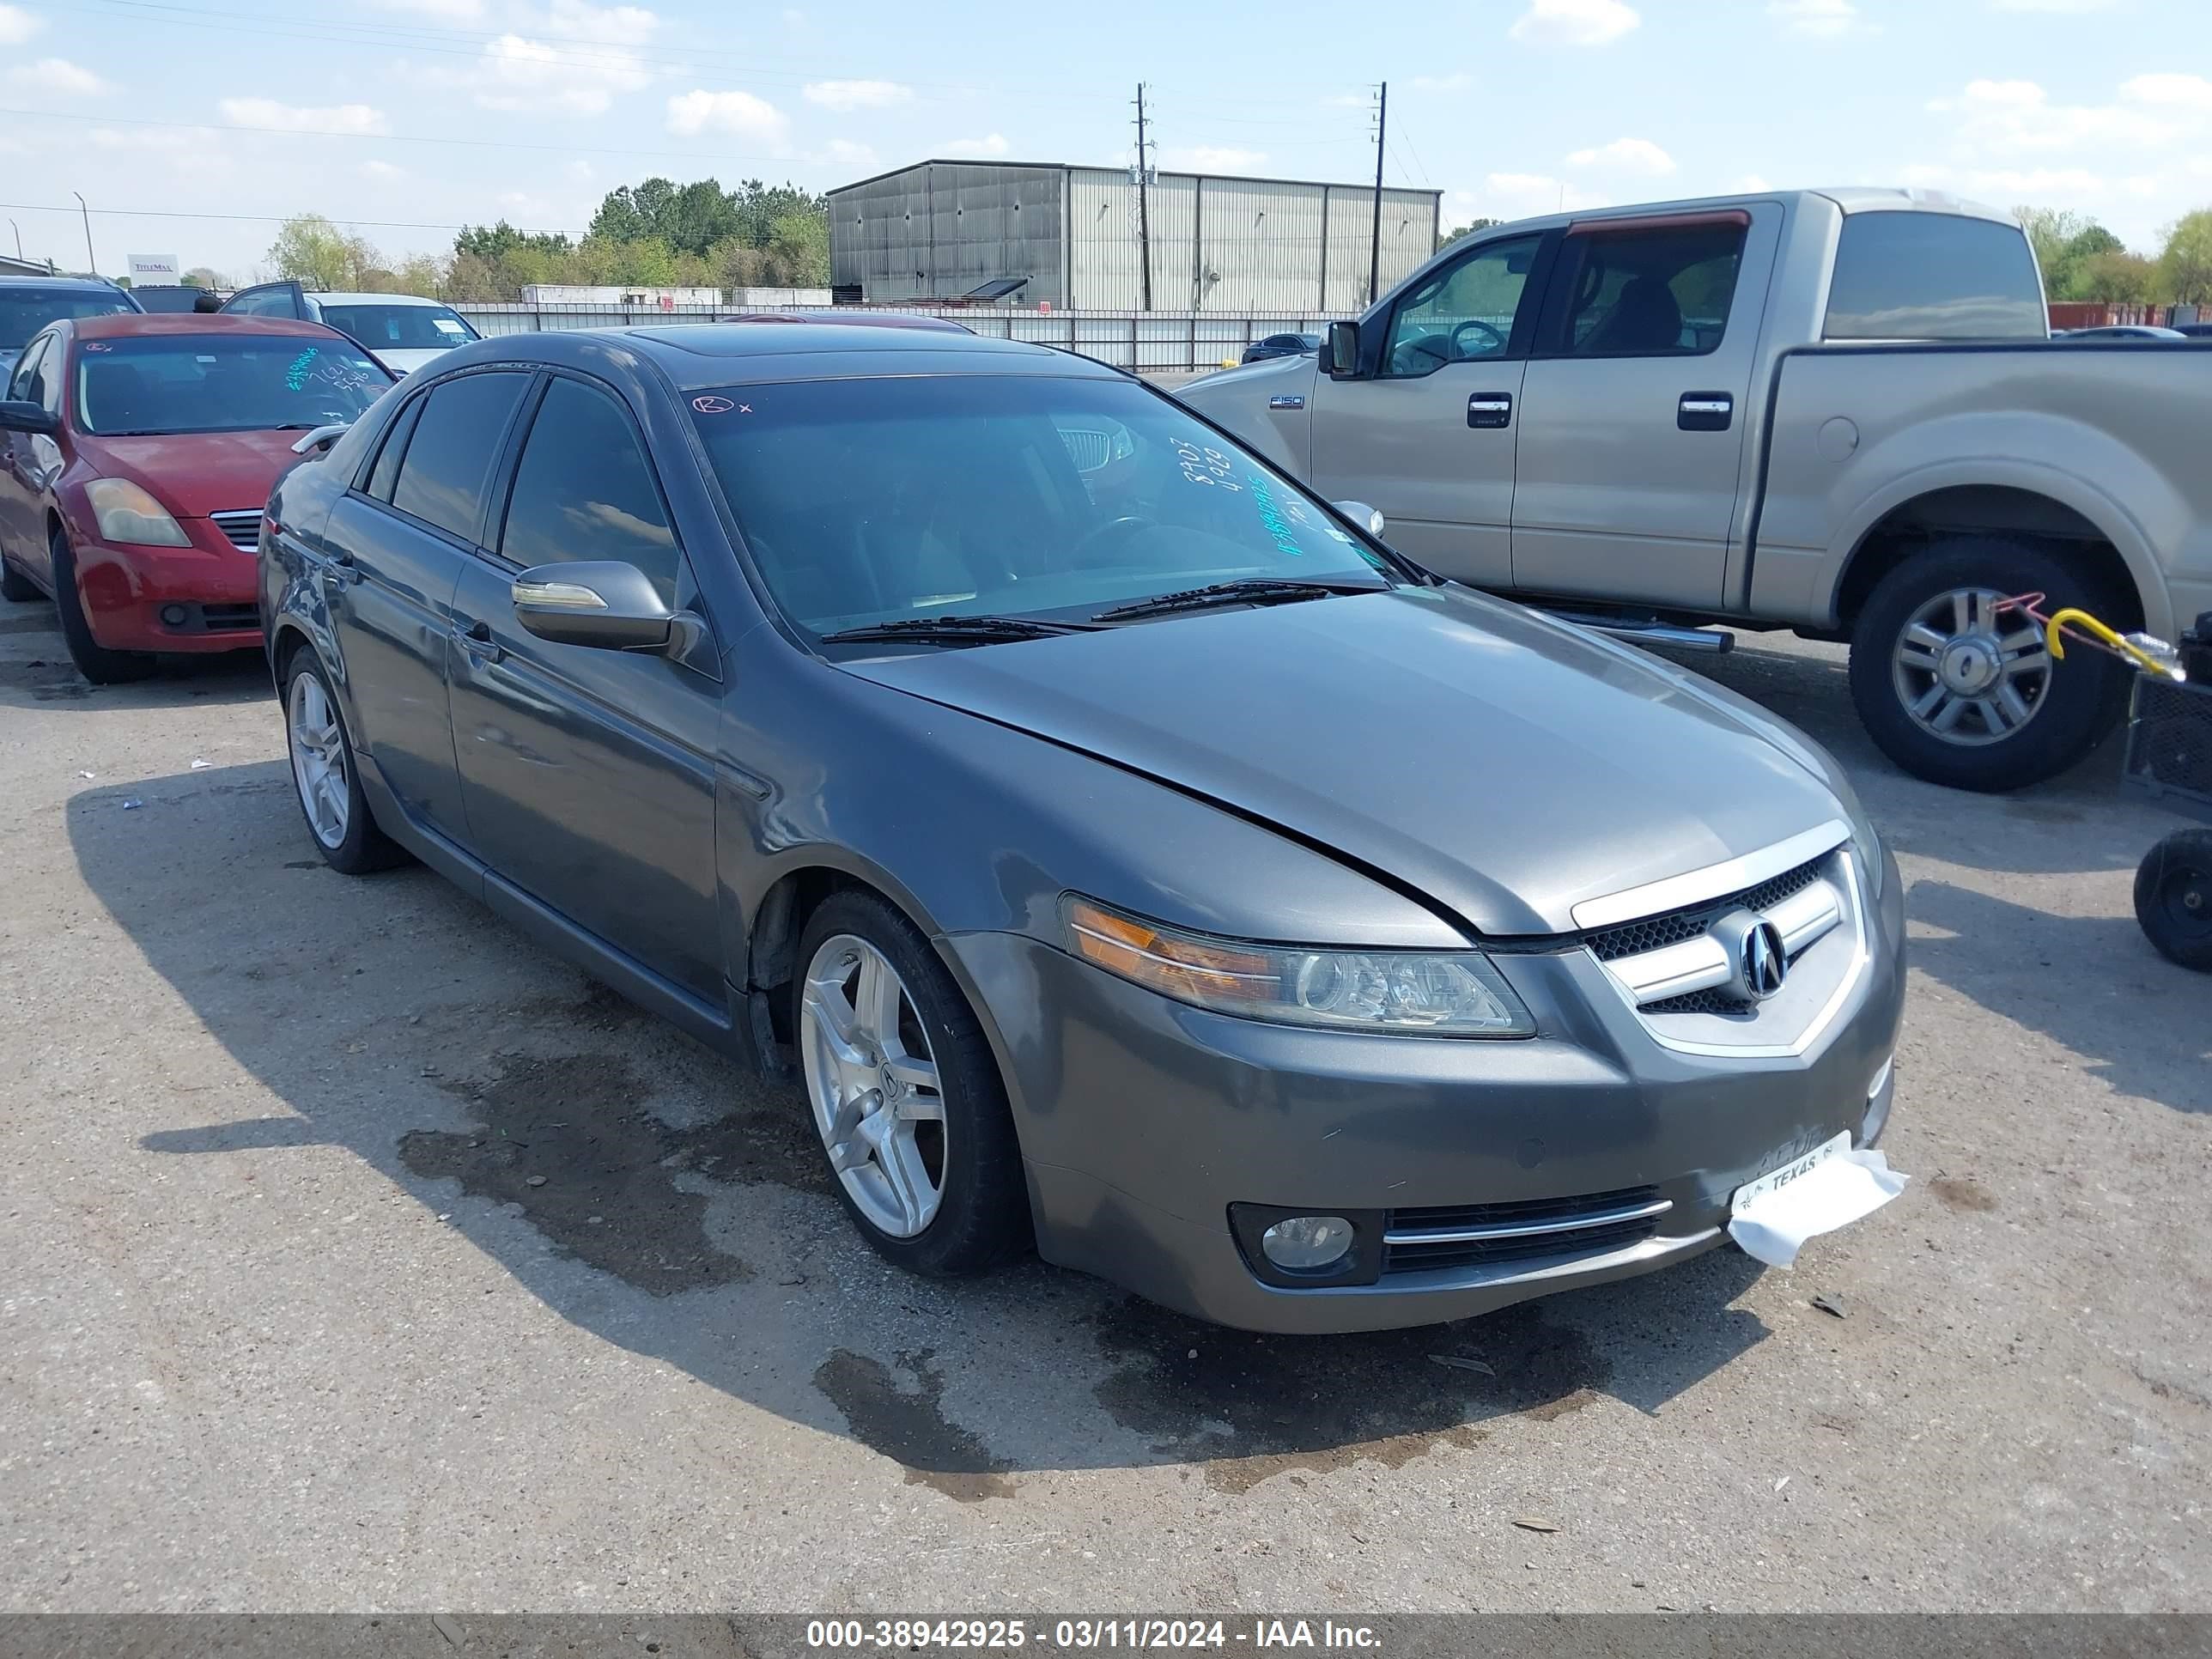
325	775
906	1095
94	660
1958	691
15	585
2174	898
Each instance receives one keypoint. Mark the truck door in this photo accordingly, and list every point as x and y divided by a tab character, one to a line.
1425	430
1633	407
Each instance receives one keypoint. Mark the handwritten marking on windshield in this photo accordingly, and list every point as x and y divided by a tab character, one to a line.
1271	519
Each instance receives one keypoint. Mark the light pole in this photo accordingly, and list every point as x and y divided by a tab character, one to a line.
90	257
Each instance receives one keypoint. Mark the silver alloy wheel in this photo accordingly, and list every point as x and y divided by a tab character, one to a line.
319	759
1965	677
873	1081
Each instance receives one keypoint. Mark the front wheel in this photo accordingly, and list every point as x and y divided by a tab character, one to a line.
2174	898
906	1095
94	660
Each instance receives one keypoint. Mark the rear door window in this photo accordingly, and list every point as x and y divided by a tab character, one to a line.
1933	276
449	459
385	472
1649	291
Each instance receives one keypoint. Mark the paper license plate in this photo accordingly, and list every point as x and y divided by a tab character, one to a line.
1789	1172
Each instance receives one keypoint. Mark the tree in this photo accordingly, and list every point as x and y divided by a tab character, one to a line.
203	276
2184	268
1447	238
2049	231
2116	277
496	241
311	249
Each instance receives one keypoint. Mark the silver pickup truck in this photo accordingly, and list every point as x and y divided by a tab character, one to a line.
1835	411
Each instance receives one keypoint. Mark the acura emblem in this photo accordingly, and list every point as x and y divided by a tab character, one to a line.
1764	962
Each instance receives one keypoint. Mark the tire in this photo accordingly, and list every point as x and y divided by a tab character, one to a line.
978	1217
326	773
2054	715
2174	898
94	660
15	585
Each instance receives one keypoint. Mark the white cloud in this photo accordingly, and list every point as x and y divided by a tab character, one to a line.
1349	101
844	95
451	11
57	76
301	117
572	58
1636	156
1750	185
699	111
1212	158
17	26
1823	20
991	145
2067	7
2169	90
848	157
1458	82
1574	22
381	172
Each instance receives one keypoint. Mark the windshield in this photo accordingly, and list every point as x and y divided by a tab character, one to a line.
25	311
219	383
872	501
399	328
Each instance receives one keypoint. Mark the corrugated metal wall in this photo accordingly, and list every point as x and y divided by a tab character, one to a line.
942	228
1240	245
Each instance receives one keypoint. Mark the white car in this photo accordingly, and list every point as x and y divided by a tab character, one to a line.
403	331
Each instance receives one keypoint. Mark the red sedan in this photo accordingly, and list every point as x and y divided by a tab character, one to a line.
136	455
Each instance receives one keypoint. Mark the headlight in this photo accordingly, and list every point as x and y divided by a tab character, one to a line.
127	513
1456	994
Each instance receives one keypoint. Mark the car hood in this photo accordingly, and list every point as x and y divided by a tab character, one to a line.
196	473
1505	766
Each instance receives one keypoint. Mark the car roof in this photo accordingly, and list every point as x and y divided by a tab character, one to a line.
136	324
699	354
83	284
372	299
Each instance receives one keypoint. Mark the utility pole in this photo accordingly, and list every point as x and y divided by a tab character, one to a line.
90	258
1144	207
1374	247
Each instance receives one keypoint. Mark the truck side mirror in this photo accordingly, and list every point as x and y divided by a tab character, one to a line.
1340	351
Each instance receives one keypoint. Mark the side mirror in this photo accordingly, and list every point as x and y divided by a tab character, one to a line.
1340	351
1367	518
17	416
594	602
319	441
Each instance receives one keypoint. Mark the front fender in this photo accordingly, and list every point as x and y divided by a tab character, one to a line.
1267	406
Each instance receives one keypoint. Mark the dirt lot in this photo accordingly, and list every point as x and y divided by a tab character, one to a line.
290	1323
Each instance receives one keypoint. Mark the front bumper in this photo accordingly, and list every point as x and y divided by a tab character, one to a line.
200	598
1143	1120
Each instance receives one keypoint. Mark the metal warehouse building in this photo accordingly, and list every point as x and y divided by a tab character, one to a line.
941	229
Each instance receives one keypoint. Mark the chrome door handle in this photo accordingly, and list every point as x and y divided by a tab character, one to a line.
1705	411
342	570
1489	410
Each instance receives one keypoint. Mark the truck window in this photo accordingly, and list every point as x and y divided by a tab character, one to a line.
1655	291
1933	276
1461	314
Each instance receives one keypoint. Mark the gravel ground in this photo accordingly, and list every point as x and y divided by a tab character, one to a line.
290	1323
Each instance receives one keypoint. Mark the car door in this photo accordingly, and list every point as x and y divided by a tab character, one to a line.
268	300
1633	412
589	773
25	457
1425	430
399	540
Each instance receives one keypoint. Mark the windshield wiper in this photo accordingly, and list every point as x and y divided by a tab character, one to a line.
1244	590
955	630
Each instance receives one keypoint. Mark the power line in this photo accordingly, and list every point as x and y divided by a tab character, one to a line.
255	218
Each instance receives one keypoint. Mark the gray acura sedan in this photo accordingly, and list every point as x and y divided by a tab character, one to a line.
1133	858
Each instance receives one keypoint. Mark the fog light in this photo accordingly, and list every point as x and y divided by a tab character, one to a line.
1306	1244
174	615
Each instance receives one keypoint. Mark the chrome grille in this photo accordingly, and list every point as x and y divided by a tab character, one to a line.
1460	1236
1633	939
241	525
1089	450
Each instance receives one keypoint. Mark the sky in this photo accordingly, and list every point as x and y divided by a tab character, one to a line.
410	118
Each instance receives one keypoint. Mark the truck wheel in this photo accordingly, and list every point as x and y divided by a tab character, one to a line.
1958	695
2174	898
